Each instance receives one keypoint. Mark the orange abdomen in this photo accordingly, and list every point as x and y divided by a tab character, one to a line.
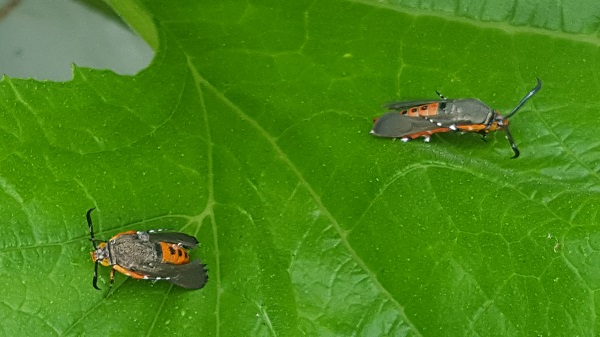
174	254
424	110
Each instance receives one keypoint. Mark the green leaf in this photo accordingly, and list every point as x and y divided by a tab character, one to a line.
250	130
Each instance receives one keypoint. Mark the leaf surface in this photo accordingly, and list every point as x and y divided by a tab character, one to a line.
250	130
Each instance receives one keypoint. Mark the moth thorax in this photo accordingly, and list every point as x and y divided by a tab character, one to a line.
501	120
101	253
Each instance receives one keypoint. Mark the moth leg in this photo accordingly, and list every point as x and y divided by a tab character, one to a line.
483	134
441	96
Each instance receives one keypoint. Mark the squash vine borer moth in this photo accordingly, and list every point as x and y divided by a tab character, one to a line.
409	120
149	255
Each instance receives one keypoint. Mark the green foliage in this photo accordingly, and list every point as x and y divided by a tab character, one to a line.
250	131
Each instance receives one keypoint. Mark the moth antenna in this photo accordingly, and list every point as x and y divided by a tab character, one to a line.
526	98
95	280
88	216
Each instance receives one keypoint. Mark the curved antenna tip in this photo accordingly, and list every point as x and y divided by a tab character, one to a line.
526	98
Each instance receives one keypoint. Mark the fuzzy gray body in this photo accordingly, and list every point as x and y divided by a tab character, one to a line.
133	250
141	252
409	120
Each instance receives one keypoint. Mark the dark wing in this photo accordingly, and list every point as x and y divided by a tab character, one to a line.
448	120
190	275
464	111
395	125
410	104
182	239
